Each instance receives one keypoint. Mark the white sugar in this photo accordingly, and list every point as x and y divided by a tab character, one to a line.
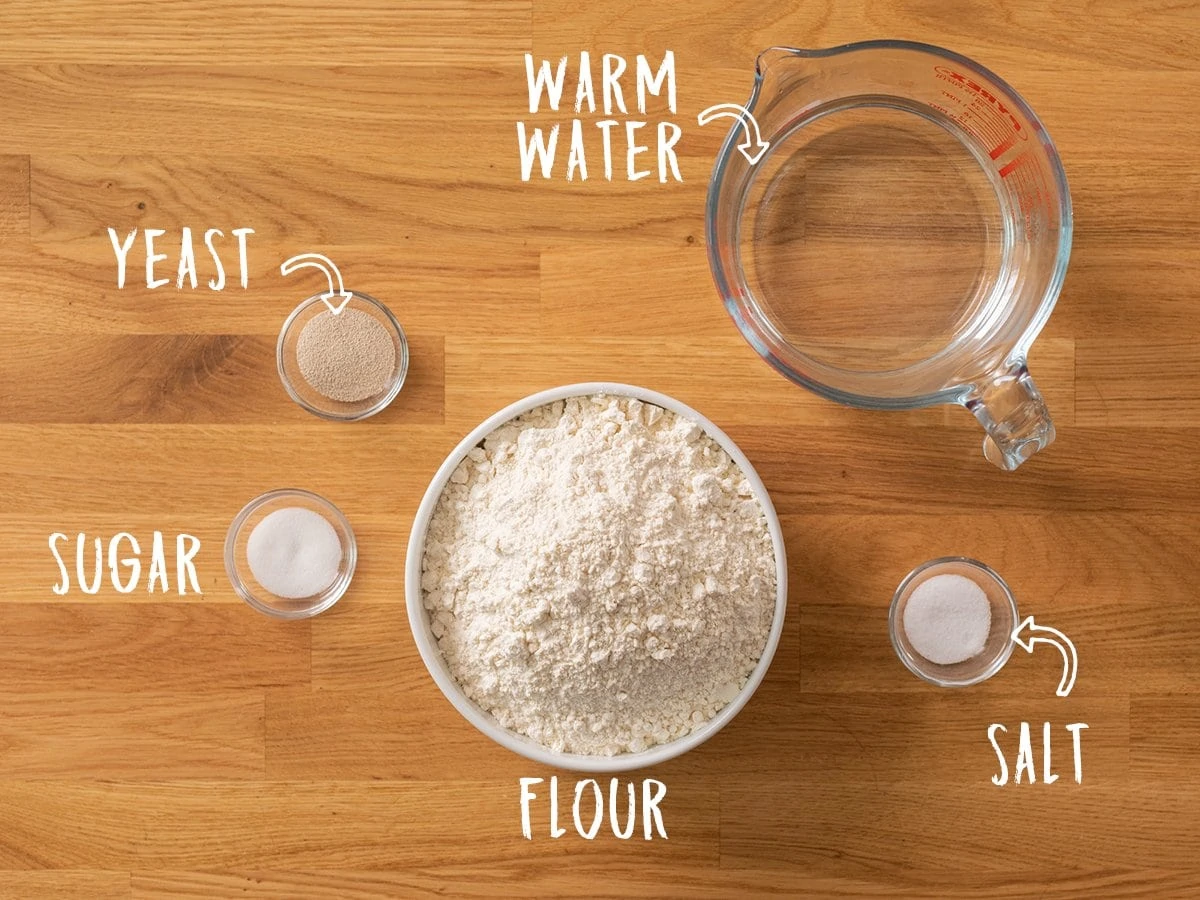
947	619
294	553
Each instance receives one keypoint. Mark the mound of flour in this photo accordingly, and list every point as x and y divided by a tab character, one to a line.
599	576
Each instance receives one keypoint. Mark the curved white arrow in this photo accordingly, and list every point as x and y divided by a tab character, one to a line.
753	136
1059	640
326	265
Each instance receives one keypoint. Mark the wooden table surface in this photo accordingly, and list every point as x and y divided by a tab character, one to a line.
184	746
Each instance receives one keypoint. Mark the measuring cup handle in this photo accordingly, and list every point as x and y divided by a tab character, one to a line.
1014	415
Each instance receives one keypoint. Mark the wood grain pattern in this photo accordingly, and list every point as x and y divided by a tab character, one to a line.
183	378
298	32
167	746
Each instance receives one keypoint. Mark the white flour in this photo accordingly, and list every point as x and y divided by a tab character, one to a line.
599	576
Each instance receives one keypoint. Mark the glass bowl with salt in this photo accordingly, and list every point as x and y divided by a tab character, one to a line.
951	621
344	365
290	554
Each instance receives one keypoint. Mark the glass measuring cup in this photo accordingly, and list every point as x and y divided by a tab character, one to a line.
903	237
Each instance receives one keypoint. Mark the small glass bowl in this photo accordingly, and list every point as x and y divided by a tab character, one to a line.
999	646
305	394
238	567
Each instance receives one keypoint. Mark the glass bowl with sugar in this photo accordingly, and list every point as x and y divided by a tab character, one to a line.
290	554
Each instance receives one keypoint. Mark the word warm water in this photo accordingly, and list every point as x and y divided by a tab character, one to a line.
590	799
186	267
621	138
1024	763
124	563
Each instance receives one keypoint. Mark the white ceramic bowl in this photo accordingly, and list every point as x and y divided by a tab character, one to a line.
419	619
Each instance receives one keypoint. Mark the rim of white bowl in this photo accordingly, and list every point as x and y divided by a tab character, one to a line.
418	619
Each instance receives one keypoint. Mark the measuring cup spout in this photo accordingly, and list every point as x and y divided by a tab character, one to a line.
779	70
1013	413
773	57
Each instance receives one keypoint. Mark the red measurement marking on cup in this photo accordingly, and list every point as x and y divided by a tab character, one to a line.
1012	165
981	112
1024	176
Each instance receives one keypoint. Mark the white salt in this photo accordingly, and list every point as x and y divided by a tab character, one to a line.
947	619
294	553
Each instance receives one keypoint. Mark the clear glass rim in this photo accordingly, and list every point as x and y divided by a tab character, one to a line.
732	286
905	657
326	598
385	398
